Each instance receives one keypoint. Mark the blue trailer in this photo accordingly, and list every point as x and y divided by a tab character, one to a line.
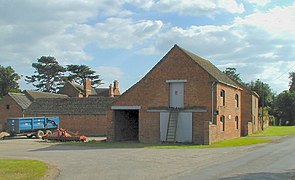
32	126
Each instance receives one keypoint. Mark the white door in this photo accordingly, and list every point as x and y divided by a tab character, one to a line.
176	95
164	116
184	132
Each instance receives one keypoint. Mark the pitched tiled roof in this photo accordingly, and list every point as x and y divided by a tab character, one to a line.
245	87
94	91
21	99
102	92
211	69
32	95
95	105
80	88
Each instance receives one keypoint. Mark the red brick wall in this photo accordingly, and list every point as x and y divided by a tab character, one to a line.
246	111
249	128
149	126
90	125
153	91
255	117
230	111
249	113
14	110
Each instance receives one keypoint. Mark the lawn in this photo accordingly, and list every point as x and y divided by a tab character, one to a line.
244	141
22	169
277	131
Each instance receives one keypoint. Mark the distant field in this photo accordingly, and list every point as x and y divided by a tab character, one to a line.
277	131
22	169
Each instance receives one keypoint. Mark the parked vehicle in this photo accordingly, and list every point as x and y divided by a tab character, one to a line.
32	126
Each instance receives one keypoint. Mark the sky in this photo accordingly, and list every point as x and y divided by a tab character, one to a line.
123	39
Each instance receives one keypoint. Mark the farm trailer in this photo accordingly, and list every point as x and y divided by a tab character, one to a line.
32	126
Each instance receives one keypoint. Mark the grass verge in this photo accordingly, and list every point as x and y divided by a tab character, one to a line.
22	169
277	131
244	141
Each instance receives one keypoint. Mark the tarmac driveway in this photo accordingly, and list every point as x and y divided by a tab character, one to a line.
275	160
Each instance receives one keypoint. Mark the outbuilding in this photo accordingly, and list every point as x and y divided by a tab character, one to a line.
184	98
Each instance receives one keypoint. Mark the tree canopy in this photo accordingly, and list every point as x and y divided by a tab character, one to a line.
48	75
232	73
8	80
285	108
292	81
79	73
264	91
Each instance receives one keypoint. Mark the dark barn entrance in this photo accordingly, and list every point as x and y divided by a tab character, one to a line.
126	125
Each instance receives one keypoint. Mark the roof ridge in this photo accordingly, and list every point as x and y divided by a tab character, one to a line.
210	68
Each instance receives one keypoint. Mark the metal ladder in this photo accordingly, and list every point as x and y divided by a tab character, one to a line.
172	125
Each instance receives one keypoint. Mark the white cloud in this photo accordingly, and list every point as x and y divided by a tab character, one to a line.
109	73
279	21
231	6
259	2
124	33
254	51
145	4
30	29
191	7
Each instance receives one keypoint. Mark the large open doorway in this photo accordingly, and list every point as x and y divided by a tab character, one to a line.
126	125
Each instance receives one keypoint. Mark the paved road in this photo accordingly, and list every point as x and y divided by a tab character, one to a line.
267	161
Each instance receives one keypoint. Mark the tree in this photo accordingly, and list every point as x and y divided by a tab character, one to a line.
264	91
48	75
8	80
284	108
292	81
232	73
79	73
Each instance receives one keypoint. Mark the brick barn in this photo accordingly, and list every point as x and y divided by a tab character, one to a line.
14	104
80	108
184	98
84	115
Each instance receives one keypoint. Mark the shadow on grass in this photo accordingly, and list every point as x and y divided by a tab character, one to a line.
133	145
108	145
289	175
57	146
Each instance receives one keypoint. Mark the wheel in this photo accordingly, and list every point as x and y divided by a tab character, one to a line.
29	136
39	134
48	132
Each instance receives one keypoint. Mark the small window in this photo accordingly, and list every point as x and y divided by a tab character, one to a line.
222	122
237	122
237	100
254	120
7	106
222	95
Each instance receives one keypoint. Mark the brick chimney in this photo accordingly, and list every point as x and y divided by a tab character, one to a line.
111	91
116	88
87	87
